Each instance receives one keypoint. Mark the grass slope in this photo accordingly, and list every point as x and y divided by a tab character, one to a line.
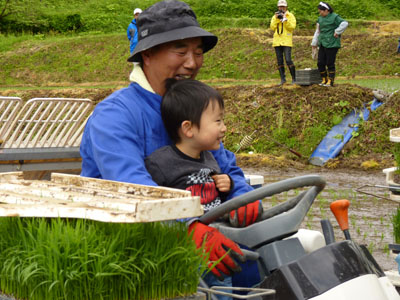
241	54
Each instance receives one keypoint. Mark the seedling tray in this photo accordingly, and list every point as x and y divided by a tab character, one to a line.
73	196
308	77
395	135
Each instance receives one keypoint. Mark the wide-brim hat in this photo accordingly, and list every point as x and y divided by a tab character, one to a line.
168	21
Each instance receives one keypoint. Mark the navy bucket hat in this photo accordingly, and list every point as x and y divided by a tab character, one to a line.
167	21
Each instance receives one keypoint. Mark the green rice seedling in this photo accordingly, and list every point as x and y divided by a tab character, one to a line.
323	201
274	200
310	216
342	194
309	225
353	220
386	249
323	212
371	247
81	259
396	225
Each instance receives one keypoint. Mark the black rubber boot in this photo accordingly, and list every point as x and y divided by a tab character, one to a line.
324	77
282	73
292	70
331	77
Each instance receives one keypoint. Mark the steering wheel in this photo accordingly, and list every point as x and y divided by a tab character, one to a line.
277	222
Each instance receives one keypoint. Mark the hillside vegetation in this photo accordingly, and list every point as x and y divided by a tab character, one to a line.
112	16
242	67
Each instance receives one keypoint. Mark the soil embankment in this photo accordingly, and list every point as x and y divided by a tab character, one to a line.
298	116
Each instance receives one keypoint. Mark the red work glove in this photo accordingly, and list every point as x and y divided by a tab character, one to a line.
217	245
246	215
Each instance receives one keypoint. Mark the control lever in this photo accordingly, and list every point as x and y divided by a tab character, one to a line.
340	209
327	230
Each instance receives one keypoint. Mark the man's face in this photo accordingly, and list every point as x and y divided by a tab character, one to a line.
177	59
137	15
282	8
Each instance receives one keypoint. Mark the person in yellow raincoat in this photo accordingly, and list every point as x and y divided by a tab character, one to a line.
283	23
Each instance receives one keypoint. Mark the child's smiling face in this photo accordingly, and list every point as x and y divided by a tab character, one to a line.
212	128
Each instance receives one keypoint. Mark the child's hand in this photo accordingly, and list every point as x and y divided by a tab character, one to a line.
222	182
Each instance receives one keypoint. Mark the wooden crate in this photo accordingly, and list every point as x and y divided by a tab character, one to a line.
73	196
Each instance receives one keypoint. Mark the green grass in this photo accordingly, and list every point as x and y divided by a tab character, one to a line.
386	84
241	54
80	259
8	43
57	59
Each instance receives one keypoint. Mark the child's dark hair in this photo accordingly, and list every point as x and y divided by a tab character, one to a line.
186	99
322	6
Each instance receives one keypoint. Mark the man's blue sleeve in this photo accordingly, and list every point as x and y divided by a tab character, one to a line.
227	162
117	145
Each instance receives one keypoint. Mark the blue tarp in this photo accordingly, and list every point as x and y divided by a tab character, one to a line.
340	134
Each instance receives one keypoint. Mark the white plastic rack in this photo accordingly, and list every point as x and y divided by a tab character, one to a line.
42	134
390	172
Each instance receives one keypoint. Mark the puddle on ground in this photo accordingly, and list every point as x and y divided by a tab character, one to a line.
369	216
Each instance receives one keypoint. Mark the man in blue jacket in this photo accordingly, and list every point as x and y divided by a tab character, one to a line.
127	126
132	30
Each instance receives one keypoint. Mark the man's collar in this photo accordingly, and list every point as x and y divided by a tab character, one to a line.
137	75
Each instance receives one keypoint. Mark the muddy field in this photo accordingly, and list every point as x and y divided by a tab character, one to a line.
369	216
